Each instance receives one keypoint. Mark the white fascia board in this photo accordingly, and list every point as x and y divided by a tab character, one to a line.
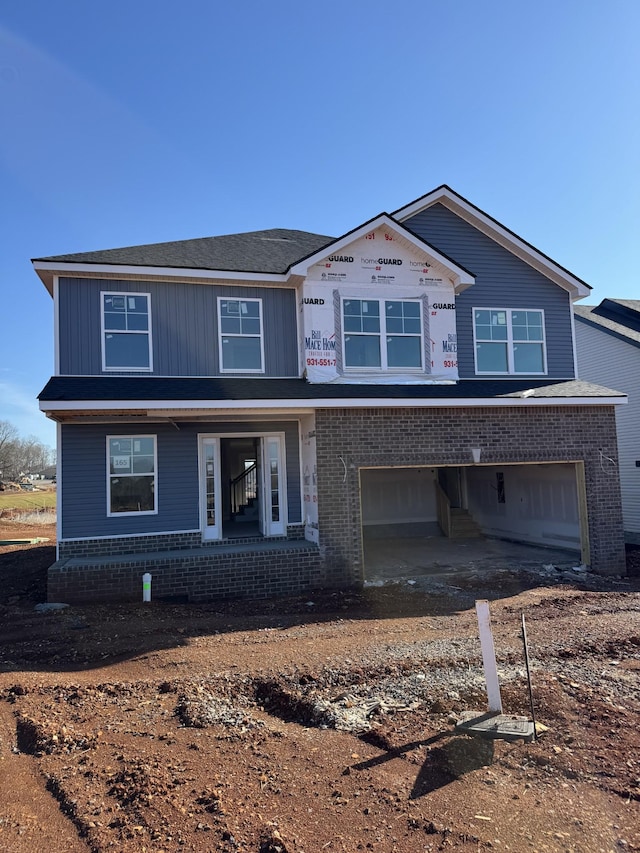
95	270
461	277
574	349
168	408
438	195
230	411
456	204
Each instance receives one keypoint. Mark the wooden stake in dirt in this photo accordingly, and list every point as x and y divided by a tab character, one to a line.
526	660
489	657
492	724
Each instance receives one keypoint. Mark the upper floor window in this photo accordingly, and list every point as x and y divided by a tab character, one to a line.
383	334
131	480
509	340
241	339
126	331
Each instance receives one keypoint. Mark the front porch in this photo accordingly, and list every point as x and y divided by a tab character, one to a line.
253	568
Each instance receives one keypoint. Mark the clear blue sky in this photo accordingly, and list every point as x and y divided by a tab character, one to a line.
138	122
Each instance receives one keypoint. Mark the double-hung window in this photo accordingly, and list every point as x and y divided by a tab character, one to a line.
383	334
126	331
131	475
509	340
241	340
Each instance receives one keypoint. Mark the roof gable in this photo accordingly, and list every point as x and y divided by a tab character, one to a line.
394	233
499	233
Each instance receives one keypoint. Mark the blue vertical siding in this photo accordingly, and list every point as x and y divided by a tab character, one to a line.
184	326
502	281
84	476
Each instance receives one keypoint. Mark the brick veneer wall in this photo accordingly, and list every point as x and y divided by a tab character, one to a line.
196	575
117	545
350	439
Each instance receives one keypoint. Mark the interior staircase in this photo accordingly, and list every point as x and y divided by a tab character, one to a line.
246	511
463	526
455	522
244	495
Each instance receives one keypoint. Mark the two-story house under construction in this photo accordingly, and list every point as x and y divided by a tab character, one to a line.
237	414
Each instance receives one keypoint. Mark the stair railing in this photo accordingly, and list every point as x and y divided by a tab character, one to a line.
243	488
444	510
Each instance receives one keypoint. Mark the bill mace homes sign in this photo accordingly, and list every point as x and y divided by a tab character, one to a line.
379	308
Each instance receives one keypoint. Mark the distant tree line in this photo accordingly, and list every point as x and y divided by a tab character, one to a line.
20	456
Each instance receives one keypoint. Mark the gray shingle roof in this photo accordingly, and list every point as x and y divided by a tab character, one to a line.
132	388
270	251
617	317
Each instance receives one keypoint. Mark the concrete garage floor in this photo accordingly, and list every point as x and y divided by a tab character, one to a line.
446	560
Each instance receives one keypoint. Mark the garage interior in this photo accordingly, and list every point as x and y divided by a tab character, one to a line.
419	520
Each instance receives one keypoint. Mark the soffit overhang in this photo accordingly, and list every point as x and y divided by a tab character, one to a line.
193	410
47	271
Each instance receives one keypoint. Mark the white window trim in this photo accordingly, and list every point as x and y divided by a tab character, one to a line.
384	367
131	437
254	370
509	342
103	332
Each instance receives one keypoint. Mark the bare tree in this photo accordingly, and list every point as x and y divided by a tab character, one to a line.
20	456
9	437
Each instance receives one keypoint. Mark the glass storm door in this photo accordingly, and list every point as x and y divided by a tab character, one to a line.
210	501
274	522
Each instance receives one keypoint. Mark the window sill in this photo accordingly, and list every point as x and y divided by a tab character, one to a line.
243	372
129	514
127	370
509	375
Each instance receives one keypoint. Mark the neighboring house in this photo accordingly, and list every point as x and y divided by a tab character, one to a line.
608	350
237	414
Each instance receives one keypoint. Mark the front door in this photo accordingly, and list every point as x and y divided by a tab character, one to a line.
269	490
210	491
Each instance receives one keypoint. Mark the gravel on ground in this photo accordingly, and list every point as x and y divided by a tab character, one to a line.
320	722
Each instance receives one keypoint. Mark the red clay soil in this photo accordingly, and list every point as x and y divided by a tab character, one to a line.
316	723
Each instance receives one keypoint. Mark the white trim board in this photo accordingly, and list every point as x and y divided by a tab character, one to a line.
45	269
168	408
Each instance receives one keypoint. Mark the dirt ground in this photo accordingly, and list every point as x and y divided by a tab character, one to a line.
317	723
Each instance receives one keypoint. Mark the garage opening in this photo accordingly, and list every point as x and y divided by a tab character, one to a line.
420	520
